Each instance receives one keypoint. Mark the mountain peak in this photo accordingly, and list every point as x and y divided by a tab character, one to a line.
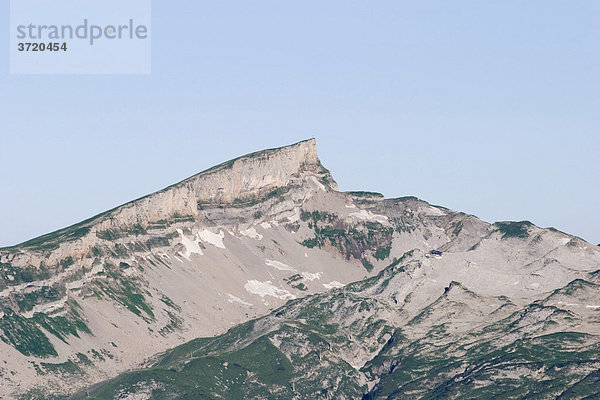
236	241
251	176
247	177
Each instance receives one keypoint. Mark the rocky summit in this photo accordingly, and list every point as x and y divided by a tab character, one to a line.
259	279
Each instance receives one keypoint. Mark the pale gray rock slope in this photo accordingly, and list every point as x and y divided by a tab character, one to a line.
232	243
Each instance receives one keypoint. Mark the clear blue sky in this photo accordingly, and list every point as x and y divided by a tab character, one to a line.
487	107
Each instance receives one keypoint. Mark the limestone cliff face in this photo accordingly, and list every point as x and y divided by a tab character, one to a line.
149	261
248	177
245	177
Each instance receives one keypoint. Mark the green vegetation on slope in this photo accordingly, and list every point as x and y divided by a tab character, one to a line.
514	229
296	351
352	241
25	335
126	291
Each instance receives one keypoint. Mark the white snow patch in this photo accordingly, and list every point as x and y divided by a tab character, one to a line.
252	234
216	239
265	225
333	284
279	265
309	276
568	304
178	259
191	246
369	216
350	206
235	299
267	288
432	211
306	255
564	241
593	307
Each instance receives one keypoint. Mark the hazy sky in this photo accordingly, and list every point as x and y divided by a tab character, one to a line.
487	107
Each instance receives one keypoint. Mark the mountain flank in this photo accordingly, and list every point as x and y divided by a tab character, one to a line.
257	278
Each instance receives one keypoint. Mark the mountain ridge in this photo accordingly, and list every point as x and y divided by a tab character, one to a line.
310	149
235	242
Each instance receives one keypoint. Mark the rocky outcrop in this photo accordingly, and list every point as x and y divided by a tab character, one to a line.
236	241
247	177
67	290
